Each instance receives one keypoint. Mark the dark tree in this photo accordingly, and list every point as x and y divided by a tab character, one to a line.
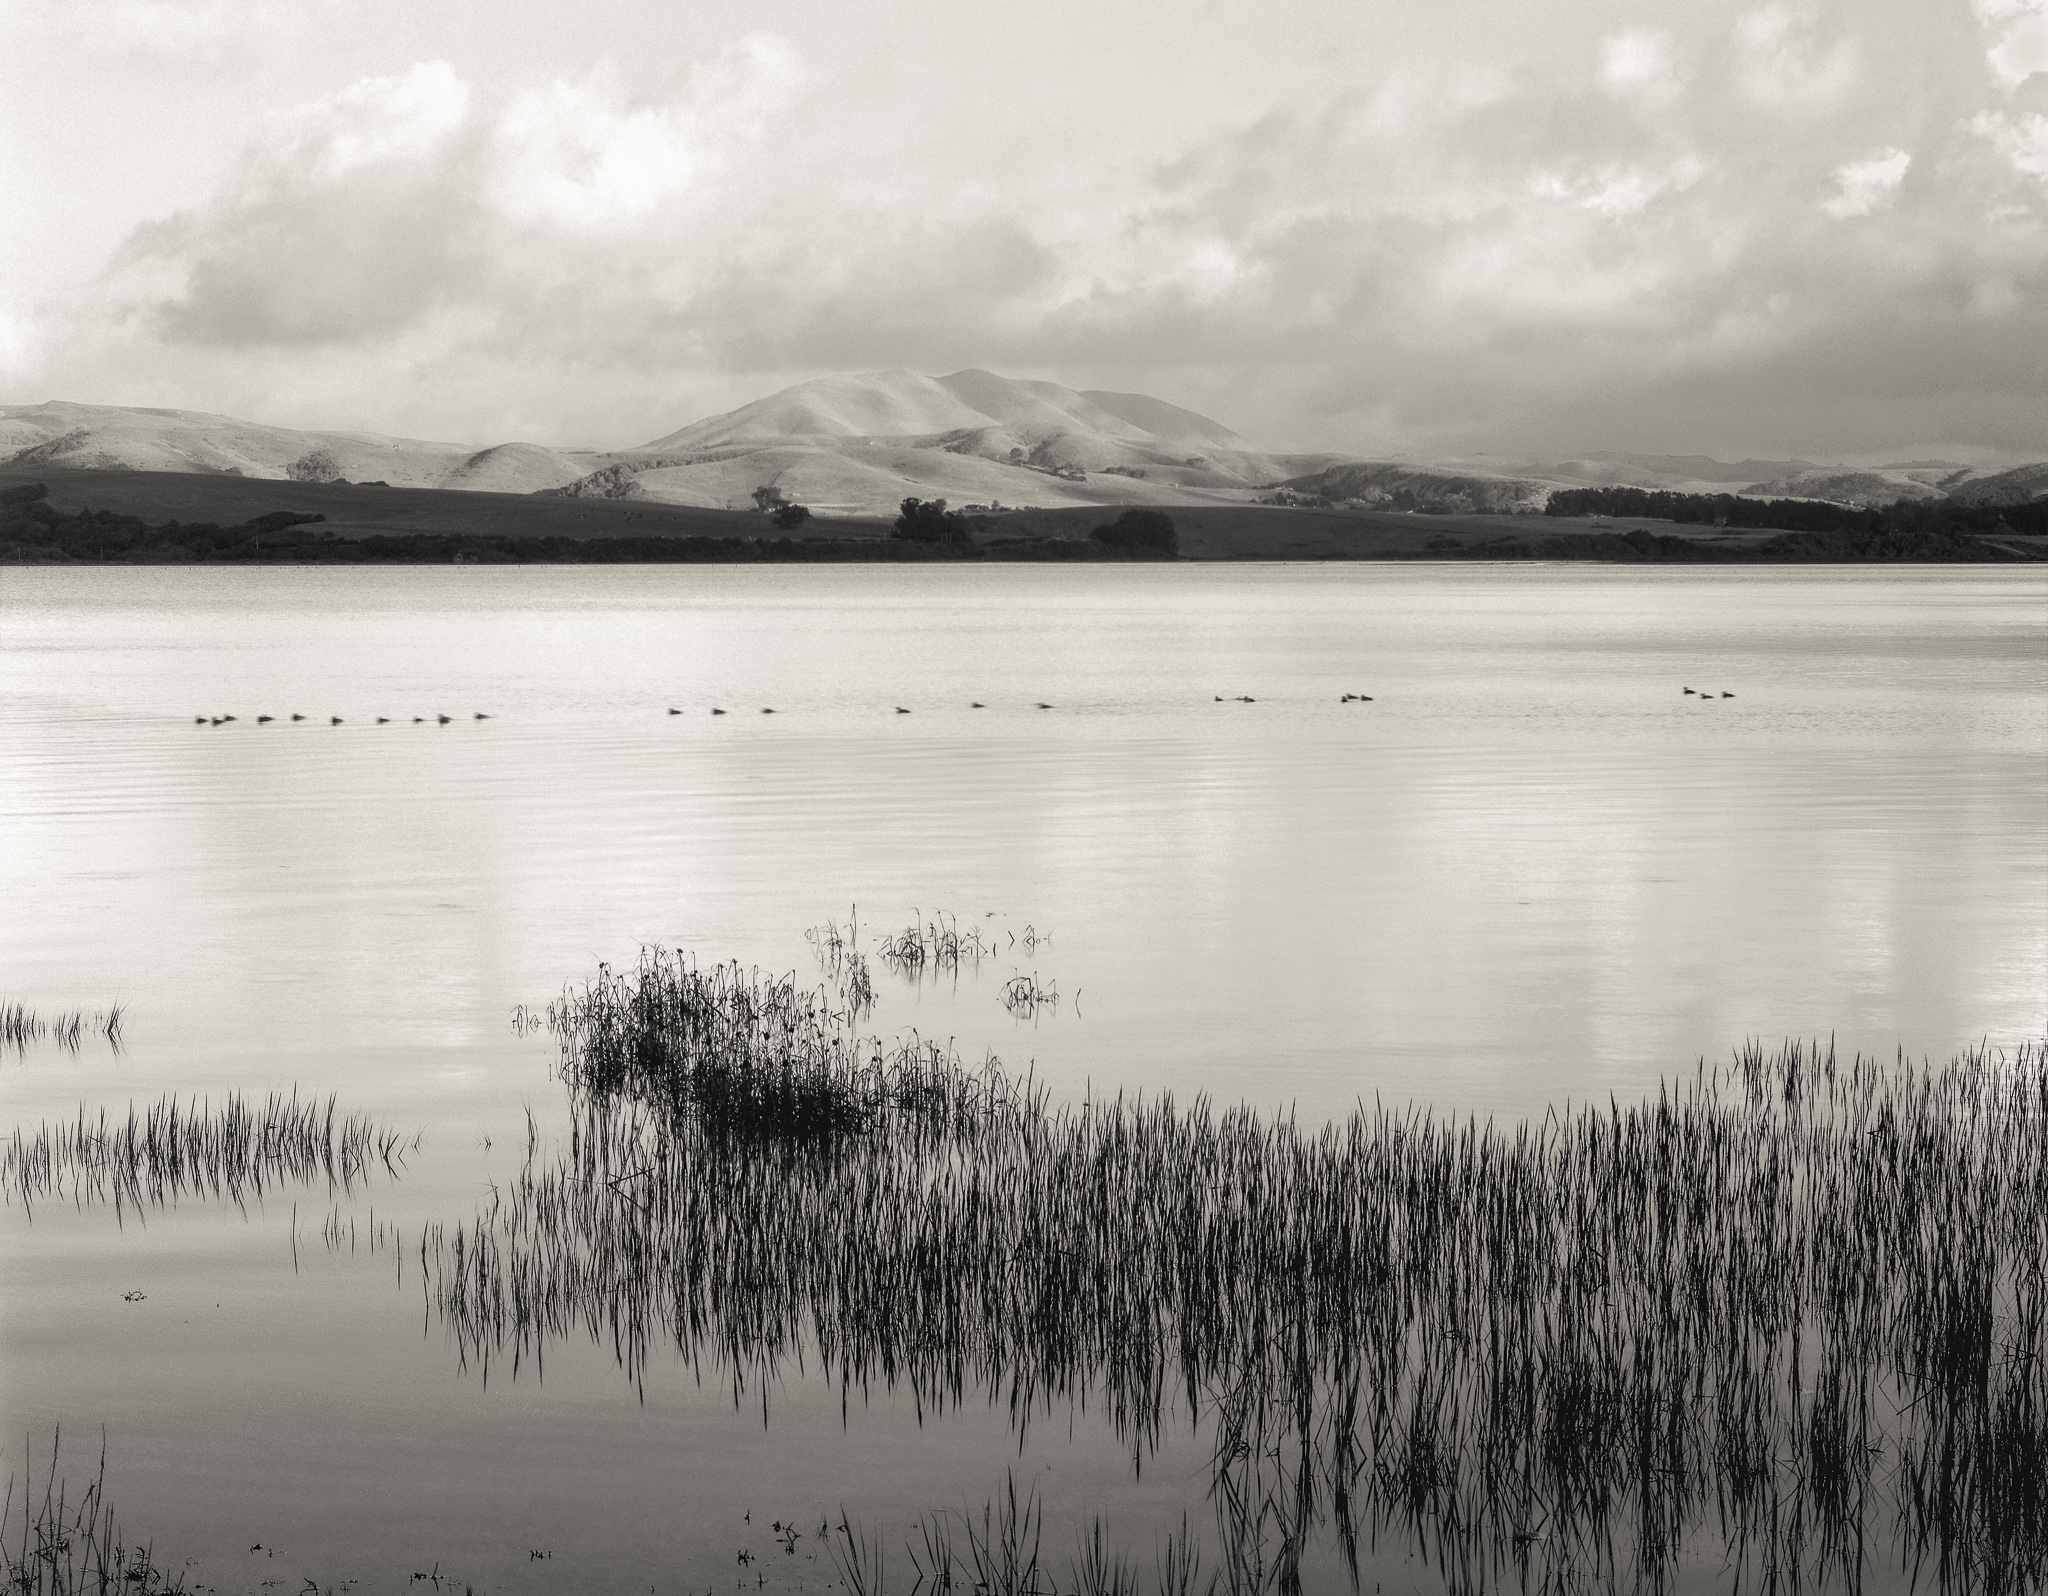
791	516
929	521
1140	532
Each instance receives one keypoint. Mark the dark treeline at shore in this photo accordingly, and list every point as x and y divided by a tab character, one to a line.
34	530
1904	518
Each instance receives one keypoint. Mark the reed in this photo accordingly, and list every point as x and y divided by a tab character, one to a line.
172	1149
21	1027
1792	1305
747	1053
935	946
54	1544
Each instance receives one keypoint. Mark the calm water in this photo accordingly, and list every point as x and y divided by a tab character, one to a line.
1530	870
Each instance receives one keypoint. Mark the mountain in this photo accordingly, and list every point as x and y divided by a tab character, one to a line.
862	442
1866	489
2018	486
859	443
84	437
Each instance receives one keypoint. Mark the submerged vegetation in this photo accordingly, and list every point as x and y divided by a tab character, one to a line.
174	1149
1790	1312
53	1545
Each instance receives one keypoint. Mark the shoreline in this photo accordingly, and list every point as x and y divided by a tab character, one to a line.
100	517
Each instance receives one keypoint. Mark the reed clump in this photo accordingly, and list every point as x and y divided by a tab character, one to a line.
55	1544
934	945
21	1027
170	1149
747	1053
1791	1307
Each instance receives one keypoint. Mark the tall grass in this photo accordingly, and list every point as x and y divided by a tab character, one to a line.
54	1544
171	1149
1791	1307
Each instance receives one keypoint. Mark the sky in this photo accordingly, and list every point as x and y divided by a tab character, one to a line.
1432	227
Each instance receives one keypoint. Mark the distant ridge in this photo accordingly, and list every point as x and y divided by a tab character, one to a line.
858	443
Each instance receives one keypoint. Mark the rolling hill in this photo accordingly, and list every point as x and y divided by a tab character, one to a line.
856	444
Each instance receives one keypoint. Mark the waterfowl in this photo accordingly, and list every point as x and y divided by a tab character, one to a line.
383	720
480	716
675	712
298	717
767	711
1727	695
334	720
199	720
1045	706
215	721
718	712
1365	698
1688	691
977	706
264	720
227	717
443	719
418	719
1219	698
901	710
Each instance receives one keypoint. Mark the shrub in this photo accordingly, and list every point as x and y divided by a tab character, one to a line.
791	516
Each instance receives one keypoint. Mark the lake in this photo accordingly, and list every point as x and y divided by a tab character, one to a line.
1528	869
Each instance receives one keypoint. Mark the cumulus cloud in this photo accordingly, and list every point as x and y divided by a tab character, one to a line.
2019	35
1862	186
1646	250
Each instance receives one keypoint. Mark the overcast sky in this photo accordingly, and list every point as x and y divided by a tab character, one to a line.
1429	225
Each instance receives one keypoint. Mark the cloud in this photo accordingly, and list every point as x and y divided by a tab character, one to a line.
1864	185
2019	31
207	33
1636	250
2022	139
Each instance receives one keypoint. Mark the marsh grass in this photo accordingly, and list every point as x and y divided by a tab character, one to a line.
936	946
170	1149
1024	996
55	1544
1789	1309
745	1053
21	1027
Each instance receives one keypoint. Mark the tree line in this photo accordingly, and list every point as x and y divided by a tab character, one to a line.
1905	517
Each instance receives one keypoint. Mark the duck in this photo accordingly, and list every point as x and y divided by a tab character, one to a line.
977	705
675	712
479	715
717	711
298	717
199	720
334	720
1045	706
419	720
1688	692
767	711
265	720
1727	695
443	719
383	720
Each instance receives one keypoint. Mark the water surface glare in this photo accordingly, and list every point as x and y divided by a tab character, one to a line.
1530	869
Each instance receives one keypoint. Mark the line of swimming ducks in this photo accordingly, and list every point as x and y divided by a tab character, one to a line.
332	720
419	720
